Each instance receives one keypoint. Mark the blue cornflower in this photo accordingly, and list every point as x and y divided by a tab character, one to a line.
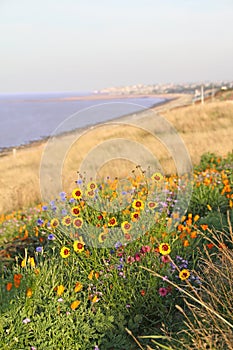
45	207
118	245
64	212
40	222
51	237
39	249
79	181
120	267
72	200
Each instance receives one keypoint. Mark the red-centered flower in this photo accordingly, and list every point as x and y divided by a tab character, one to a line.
126	226
157	177
54	223
184	274
138	204
77	193
65	252
75	211
66	221
152	205
143	292
135	216
78	222
164	249
112	221
78	246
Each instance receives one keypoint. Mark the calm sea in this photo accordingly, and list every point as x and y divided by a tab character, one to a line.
25	118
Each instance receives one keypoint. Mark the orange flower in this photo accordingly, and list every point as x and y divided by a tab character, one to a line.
95	299
9	285
196	217
60	290
78	287
75	304
193	234
210	245
186	243
204	227
90	276
17	280
28	292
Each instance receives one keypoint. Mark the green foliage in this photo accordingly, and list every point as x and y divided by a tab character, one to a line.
203	196
116	293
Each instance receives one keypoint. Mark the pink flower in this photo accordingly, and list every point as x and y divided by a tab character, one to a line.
145	249
165	258
163	292
130	259
137	257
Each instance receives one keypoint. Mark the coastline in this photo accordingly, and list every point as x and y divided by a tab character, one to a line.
197	125
4	151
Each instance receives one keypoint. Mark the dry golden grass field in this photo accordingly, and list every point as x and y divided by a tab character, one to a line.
201	128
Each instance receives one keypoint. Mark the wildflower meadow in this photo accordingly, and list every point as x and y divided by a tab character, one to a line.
141	264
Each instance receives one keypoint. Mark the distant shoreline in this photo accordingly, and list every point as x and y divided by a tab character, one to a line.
4	151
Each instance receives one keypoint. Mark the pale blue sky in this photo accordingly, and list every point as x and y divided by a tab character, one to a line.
76	45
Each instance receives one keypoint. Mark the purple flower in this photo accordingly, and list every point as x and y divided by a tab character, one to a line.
120	267
72	200
39	249
96	347
45	207
40	222
51	237
33	348
64	212
118	245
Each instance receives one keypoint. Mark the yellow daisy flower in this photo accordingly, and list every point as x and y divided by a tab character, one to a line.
75	210
78	222
157	177
66	221
77	193
54	223
126	226
184	274
79	246
112	221
65	252
164	249
138	204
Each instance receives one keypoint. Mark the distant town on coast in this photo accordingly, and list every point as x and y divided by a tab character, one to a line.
195	88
